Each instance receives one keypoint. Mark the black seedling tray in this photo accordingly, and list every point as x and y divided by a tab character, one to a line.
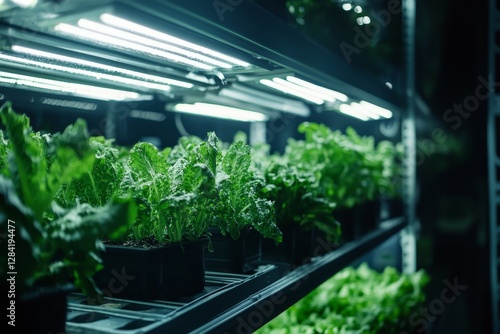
179	315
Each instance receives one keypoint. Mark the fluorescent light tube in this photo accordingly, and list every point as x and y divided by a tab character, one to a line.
376	109
145	31
321	90
220	111
109	40
118	70
96	75
348	110
365	111
290	90
121	34
267	101
100	93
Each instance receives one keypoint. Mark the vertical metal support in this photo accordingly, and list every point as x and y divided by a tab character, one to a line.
257	133
409	234
493	164
109	123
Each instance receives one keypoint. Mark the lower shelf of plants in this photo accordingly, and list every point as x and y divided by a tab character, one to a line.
230	303
180	315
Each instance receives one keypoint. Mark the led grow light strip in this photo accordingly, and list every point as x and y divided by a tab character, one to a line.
67	87
220	111
364	111
304	90
266	101
98	37
321	90
348	110
121	34
376	109
76	61
145	31
91	74
292	91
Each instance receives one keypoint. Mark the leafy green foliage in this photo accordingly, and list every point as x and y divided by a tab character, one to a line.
55	245
242	204
355	301
146	178
297	200
40	165
4	148
350	168
98	185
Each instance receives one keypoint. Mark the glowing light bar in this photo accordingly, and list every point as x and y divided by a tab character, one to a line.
328	93
121	43
277	84
364	111
118	70
86	73
220	111
67	87
348	110
121	34
376	109
145	31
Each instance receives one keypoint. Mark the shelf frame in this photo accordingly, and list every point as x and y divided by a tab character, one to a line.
261	307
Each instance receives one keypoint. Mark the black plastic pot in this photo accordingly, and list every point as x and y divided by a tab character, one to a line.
390	208
236	256
358	220
176	270
42	311
298	247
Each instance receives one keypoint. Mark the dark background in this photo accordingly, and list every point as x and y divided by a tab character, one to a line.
451	53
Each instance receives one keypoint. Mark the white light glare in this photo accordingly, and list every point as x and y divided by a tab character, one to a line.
91	74
109	40
24	3
359	21
76	61
328	93
358	9
366	20
348	110
356	107
376	109
117	33
346	6
145	31
68	87
277	84
220	111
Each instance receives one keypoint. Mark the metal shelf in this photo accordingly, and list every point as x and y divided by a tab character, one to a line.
229	301
261	307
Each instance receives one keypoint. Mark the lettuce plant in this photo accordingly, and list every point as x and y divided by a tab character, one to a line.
54	245
356	300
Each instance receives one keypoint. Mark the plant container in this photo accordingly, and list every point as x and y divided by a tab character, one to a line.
42	311
299	245
167	272
236	256
358	220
